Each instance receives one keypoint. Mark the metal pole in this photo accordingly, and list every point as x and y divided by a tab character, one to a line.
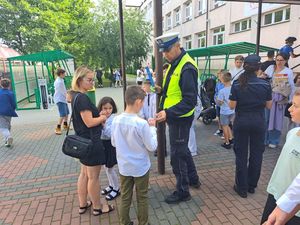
206	30
161	127
26	81
122	43
13	85
258	26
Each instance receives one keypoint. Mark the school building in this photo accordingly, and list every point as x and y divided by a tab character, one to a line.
227	22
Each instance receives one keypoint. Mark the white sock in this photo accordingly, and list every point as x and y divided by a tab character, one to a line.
112	178
5	132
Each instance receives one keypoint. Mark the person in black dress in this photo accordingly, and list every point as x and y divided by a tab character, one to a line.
87	122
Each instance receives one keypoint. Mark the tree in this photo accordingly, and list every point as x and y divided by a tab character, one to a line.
30	26
91	34
106	39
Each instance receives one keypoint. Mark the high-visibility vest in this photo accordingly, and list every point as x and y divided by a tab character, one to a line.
174	95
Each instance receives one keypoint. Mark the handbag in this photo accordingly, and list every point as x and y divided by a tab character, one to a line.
74	145
286	110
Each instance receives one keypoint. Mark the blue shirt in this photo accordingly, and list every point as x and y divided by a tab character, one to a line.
8	103
224	97
253	97
287	50
219	86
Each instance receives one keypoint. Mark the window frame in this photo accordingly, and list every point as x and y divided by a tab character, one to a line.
217	3
199	37
240	25
273	16
188	5
219	33
201	3
188	40
177	12
169	19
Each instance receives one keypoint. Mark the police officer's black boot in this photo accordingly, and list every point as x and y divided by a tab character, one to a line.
242	194
177	197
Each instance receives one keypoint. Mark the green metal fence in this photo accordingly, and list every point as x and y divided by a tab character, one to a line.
25	72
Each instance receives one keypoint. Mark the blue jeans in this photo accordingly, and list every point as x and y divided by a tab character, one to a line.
271	136
274	137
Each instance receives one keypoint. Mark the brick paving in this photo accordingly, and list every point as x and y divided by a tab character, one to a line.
38	183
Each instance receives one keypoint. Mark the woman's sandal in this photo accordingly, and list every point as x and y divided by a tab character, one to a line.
98	212
83	209
112	195
107	190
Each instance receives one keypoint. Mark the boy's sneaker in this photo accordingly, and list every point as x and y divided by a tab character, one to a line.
58	131
66	127
226	145
218	133
272	146
9	142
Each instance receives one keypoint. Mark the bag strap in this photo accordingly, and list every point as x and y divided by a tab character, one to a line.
71	118
72	115
237	74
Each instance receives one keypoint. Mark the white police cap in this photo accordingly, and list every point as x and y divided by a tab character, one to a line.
164	42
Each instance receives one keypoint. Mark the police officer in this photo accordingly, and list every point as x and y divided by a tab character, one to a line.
177	104
249	96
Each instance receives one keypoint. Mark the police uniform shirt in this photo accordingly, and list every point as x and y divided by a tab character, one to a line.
189	88
253	97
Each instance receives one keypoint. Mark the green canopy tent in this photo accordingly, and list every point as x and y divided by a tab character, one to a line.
225	50
34	68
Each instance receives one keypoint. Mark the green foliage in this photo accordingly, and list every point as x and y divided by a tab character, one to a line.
91	34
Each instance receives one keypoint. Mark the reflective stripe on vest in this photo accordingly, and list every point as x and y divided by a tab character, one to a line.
174	95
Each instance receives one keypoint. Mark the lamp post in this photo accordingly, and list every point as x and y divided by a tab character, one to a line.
122	49
161	127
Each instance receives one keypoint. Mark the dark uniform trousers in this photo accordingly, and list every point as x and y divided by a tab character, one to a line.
181	159
248	129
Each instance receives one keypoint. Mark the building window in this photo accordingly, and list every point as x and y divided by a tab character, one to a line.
217	3
177	16
201	38
218	35
188	42
188	11
242	25
169	21
201	7
277	16
163	24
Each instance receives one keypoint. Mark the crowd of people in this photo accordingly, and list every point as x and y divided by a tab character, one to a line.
251	99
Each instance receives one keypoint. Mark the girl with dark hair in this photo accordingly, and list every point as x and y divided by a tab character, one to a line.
249	96
108	106
282	92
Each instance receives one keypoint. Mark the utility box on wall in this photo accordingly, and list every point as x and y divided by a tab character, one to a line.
43	93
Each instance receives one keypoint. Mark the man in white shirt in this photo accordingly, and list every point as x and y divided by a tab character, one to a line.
238	68
287	205
60	93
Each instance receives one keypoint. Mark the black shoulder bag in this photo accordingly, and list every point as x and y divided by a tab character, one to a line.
74	145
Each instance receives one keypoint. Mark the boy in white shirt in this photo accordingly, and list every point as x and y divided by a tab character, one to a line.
238	68
60	93
149	107
133	138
